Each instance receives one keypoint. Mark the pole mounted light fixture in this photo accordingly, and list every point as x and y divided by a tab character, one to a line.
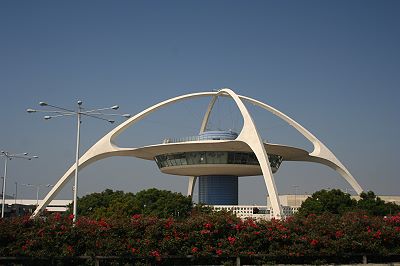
100	114
9	156
37	186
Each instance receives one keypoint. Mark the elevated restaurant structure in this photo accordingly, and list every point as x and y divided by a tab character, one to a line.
216	158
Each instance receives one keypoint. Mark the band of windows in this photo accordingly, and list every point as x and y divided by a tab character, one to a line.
211	157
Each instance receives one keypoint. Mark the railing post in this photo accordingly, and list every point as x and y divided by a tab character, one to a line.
365	261
96	261
237	261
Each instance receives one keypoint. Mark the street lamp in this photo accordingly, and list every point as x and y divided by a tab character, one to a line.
16	190
349	189
37	190
80	111
8	156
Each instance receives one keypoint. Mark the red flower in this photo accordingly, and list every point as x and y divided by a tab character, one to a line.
28	243
195	250
168	223
231	240
339	234
26	220
57	216
218	252
71	217
251	223
314	242
136	216
102	223
155	253
133	250
208	225
378	234
204	232
40	232
70	249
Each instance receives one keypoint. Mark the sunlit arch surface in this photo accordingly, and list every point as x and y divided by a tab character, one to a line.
248	135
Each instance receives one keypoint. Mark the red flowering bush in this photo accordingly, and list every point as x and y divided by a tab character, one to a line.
200	235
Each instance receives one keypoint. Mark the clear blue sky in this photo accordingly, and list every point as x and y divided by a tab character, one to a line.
331	65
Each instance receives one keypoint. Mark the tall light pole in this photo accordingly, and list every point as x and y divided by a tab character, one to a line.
8	156
79	112
37	190
16	191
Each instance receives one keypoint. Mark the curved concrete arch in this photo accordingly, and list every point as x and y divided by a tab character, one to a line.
192	179
207	114
321	153
106	147
250	136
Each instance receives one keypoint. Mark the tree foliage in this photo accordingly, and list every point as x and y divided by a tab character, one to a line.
163	203
337	202
333	201
374	205
120	205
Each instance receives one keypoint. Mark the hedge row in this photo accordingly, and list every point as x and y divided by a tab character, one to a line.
201	235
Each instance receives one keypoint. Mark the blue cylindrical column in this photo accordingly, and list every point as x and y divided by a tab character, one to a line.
218	190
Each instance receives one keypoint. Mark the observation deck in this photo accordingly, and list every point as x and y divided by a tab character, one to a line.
209	153
208	135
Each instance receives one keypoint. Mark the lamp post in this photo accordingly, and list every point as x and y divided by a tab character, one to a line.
8	156
79	112
37	190
16	191
2	188
349	189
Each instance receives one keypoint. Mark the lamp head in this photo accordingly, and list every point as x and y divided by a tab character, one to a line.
111	121
79	103
30	110
126	115
42	104
47	117
115	107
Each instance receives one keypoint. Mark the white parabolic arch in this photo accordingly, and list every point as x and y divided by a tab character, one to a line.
106	147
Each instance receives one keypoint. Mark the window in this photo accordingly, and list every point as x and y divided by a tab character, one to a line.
210	157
